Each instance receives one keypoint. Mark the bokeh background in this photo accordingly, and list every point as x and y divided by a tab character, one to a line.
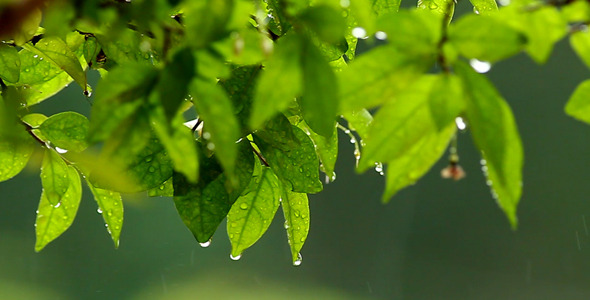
438	239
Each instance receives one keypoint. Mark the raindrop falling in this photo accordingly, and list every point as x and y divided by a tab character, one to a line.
480	66
298	261
237	257
206	244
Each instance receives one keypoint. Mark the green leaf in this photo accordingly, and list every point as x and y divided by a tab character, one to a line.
576	11
385	6
34	120
296	211
54	177
580	42
217	113
359	121
202	206
56	51
118	96
377	76
206	20
166	189
240	89
485	38
446	100
444	8
325	148
252	213
279	83
110	206
67	130
55	219
293	159
174	80
484	7
416	32
578	106
399	124
14	155
325	21
9	63
405	170
125	48
278	22
28	27
496	135
319	102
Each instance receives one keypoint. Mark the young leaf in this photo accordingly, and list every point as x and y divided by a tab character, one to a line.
484	7
297	166
14	155
54	177
443	8
217	113
446	100
578	105
399	124
34	120
325	148
55	219
251	214
485	38
377	76
416	32
56	51
405	170
9	63
296	211
496	135
280	82
580	42
319	103
359	121
110	206
67	130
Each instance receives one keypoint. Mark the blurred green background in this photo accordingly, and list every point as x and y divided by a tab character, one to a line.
436	240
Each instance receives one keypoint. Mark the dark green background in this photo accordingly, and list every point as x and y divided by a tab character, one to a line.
436	240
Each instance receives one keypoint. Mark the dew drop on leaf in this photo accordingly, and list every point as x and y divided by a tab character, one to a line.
99	210
480	66
244	206
461	125
298	261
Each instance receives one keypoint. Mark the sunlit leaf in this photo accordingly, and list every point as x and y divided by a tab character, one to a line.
578	105
444	8
110	206
54	177
484	7
386	6
67	130
446	100
252	213
496	135
296	211
326	149
9	63
14	155
55	219
580	42
28	28
34	120
414	32
359	121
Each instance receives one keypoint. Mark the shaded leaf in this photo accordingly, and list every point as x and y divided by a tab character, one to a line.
405	170
496	135
578	106
9	63
173	81
67	130
252	213
240	90
55	219
110	206
325	21
296	211
166	189
415	32
325	148
206	20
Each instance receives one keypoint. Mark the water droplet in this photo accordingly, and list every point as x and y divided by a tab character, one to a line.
298	261
60	150
344	3
380	35
352	140
206	135
433	5
489	182
110	213
211	146
244	206
475	11
359	33
65	217
148	159
286	225
99	210
205	244
35	56
460	123
379	168
106	225
480	66
151	169
237	257
57	205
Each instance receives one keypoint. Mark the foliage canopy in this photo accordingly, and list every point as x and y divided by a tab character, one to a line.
270	83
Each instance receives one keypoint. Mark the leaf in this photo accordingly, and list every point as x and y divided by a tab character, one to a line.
34	120
54	177
205	21
174	80
319	102
377	76
405	170
67	130
416	32
399	124
9	63
279	83
279	23
202	206
578	106
580	42
28	28
14	155
325	148
110	206
240	90
446	100
166	189
297	166
124	48
444	8
385	6
359	121
252	213
485	38
217	113
484	7
55	50
118	96
496	135
55	219
296	211
325	21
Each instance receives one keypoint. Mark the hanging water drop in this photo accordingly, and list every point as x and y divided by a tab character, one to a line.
461	125
380	35
206	244
60	150
286	225
480	66
237	257
379	168
359	33
352	140
56	206
99	210
298	261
